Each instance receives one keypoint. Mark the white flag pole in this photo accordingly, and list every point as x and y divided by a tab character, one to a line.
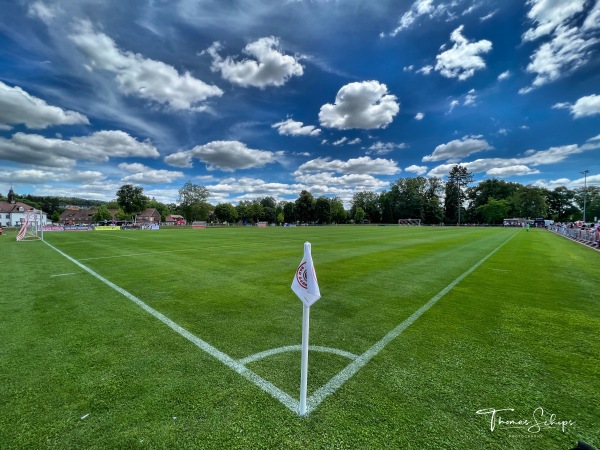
304	368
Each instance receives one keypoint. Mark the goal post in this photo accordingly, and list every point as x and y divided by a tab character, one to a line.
409	222
31	227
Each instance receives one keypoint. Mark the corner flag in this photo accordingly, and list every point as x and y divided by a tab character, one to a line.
305	283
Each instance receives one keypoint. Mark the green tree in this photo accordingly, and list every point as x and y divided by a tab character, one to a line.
530	202
255	212
131	199
458	178
193	200
305	207
55	218
494	210
434	212
288	212
592	202
226	212
122	215
479	195
280	218
561	204
267	202
338	213
359	215
323	210
102	214
269	214
242	210
369	202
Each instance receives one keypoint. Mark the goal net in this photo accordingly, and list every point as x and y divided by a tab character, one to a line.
31	226
200	224
409	222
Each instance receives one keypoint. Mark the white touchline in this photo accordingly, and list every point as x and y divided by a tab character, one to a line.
265	385
338	380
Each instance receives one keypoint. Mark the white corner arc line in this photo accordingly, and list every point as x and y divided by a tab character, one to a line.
291	403
350	370
296	348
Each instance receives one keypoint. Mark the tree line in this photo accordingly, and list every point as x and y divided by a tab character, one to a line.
431	200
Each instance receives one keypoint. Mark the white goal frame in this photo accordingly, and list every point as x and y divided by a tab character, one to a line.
32	227
409	222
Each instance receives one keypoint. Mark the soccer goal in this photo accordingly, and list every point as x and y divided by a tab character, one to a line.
31	227
409	222
199	224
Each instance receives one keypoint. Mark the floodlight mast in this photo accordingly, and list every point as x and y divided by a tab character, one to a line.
585	172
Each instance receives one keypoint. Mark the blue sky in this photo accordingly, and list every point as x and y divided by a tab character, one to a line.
256	98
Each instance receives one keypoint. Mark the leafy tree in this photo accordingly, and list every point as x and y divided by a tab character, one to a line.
122	215
369	202
305	207
480	194
529	202
458	178
267	202
102	214
494	210
242	210
561	204
131	199
338	213
280	217
226	212
592	202
359	215
288	212
323	210
269	214
55	217
193	199
434	213
255	212
113	204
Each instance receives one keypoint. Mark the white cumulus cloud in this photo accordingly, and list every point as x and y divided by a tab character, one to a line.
37	150
362	165
363	105
458	148
419	170
19	107
463	59
269	66
547	15
227	156
585	106
291	127
567	51
139	76
145	175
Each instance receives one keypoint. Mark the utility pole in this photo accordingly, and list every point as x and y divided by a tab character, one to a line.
585	172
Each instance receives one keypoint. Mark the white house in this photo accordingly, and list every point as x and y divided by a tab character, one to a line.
13	213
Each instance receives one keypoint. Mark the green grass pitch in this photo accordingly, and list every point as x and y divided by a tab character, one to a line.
516	329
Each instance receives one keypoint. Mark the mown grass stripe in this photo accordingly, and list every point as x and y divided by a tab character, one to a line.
265	385
338	380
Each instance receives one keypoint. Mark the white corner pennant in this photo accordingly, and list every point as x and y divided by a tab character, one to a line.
305	283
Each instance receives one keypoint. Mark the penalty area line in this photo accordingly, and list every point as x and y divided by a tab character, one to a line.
350	370
289	402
